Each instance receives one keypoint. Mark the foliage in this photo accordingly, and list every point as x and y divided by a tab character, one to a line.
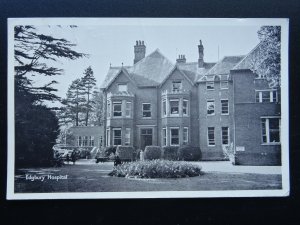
189	153
229	153
36	127
125	152
32	52
110	150
73	104
88	83
152	152
36	130
97	114
267	62
170	152
156	169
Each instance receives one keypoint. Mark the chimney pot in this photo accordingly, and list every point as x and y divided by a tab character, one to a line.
139	51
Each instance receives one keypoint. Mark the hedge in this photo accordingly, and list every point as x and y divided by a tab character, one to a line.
152	152
125	152
170	152
189	153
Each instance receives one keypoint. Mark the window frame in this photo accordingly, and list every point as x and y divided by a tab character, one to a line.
164	110
164	136
222	82
185	142
146	111
108	109
208	138
214	104
174	128
268	132
113	105
127	139
228	136
207	85
180	86
114	137
271	98
174	100
187	107
128	110
107	142
222	106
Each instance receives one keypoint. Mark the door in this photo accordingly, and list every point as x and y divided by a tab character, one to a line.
146	137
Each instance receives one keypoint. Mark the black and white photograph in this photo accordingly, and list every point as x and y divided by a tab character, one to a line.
147	108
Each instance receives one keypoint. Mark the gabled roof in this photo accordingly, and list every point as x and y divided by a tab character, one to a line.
192	70
247	61
112	73
154	67
224	66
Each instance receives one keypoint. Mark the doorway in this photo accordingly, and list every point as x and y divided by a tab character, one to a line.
146	137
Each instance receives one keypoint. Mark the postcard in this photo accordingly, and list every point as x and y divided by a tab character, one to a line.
147	108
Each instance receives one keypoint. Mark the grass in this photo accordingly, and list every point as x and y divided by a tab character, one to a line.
94	178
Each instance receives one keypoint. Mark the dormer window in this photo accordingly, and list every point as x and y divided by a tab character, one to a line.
210	85
122	87
176	86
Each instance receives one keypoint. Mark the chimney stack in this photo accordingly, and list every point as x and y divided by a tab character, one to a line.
181	59
201	55
139	51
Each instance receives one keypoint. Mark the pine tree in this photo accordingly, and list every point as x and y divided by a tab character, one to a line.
88	83
96	117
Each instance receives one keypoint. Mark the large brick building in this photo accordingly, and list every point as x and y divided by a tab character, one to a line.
207	105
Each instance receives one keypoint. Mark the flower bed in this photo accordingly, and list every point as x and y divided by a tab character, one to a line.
156	169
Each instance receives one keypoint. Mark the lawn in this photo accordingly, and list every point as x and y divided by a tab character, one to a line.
94	178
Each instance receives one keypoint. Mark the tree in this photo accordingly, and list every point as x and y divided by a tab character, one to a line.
73	104
88	83
268	59
36	127
97	108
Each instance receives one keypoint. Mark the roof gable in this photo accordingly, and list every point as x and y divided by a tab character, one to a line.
113	74
181	72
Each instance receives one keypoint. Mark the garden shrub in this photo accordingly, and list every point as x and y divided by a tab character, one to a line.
170	152
156	169
189	153
152	152
125	152
111	149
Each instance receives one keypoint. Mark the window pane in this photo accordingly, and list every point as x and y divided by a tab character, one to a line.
174	136
176	86
164	107
117	108
174	104
185	107
211	135
210	85
225	135
128	108
210	107
265	96
146	110
224	105
117	137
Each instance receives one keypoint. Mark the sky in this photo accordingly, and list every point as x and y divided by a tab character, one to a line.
112	43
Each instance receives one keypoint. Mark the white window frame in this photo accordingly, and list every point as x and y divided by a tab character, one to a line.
127	136
128	109
228	136
114	129
214	139
91	141
272	98
108	110
85	141
107	137
79	141
180	86
150	110
174	100
212	84
222	106
224	82
267	130
185	141
174	128
187	107
214	104
164	137
122	85
113	104
164	113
